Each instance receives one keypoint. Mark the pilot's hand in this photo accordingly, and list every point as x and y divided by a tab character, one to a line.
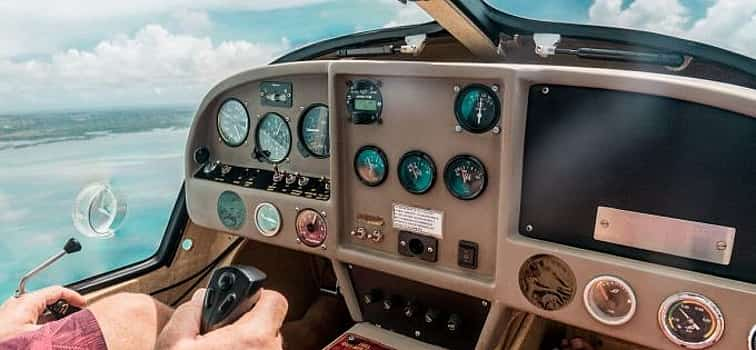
19	315
258	329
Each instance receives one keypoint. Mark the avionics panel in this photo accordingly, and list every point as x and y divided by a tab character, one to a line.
665	164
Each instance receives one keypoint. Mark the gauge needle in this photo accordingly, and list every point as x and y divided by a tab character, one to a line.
480	108
270	220
312	130
690	320
604	294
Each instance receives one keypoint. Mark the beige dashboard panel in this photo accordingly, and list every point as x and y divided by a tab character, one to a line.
418	114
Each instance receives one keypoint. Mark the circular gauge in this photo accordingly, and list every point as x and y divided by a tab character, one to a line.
364	101
313	131
231	210
267	219
273	138
311	228
691	320
371	165
233	122
417	172
477	108
465	177
609	300
547	282
752	339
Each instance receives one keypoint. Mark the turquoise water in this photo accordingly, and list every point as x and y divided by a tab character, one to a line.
40	180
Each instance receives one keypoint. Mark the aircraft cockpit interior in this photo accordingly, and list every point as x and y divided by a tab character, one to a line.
480	181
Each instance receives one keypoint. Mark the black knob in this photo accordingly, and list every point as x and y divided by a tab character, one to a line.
201	155
410	309
372	296
431	315
72	246
453	323
390	302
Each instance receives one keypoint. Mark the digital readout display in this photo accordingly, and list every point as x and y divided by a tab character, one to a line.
365	105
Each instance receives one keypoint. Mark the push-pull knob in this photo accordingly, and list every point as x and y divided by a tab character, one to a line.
390	302
372	296
410	309
431	315
453	323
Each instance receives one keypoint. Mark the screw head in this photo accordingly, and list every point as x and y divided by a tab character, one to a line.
496	130
430	250
458	128
418	334
456	88
495	88
403	243
529	228
604	223
721	245
484	303
545	90
299	241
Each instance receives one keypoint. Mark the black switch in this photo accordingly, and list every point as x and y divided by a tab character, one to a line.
467	254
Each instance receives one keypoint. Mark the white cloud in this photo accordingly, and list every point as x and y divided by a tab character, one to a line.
730	24
39	27
151	66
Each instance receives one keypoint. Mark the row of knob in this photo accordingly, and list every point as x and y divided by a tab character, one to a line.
412	308
290	178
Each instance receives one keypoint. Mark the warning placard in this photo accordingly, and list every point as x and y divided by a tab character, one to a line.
418	220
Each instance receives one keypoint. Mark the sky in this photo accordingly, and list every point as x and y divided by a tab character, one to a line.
86	54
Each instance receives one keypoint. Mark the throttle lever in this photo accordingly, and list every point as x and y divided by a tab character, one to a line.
60	308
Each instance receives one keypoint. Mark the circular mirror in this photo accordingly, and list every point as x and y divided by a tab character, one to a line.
98	211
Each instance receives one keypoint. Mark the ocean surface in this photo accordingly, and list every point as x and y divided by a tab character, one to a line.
47	158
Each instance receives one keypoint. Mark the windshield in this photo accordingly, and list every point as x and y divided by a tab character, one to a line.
728	24
99	95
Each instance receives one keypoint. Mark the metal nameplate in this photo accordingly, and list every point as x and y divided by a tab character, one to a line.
689	239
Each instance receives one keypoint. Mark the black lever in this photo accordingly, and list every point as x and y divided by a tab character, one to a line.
60	308
232	291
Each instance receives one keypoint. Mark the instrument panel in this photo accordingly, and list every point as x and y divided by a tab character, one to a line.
415	170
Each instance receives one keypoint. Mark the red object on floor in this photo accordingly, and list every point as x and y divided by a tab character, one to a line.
349	341
79	331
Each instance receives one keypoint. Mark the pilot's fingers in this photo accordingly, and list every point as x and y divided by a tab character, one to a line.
37	301
267	316
185	321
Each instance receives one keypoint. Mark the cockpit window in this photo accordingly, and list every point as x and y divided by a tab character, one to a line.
96	100
729	25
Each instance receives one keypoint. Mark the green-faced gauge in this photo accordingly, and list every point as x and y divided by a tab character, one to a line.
267	219
313	130
233	122
371	165
417	172
477	108
465	177
273	138
231	210
691	320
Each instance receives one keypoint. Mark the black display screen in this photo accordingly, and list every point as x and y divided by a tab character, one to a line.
586	148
